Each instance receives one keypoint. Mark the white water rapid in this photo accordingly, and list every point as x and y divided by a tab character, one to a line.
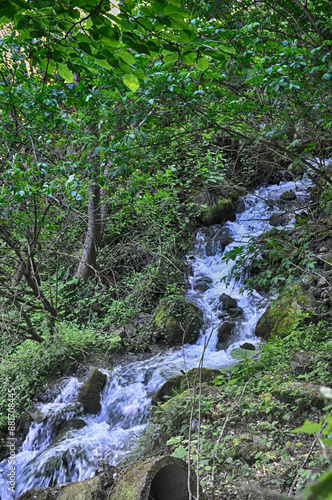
47	458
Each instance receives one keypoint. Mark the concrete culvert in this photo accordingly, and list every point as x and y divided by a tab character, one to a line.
159	478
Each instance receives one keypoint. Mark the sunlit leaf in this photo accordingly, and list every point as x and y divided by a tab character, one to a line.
308	428
131	81
65	73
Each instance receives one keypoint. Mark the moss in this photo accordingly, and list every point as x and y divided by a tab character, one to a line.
222	211
176	318
282	317
82	490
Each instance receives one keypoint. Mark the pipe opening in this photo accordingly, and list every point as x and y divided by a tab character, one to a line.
170	483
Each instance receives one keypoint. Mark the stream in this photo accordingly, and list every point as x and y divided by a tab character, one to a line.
47	458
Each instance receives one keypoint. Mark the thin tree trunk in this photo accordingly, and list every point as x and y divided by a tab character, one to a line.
93	235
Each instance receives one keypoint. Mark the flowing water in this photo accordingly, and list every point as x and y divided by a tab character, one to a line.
47	458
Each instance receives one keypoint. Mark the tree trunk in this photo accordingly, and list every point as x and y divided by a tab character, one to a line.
93	235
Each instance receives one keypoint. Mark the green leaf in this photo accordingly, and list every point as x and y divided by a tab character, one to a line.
125	56
202	63
241	354
131	81
171	57
178	22
180	452
308	428
65	73
322	490
103	63
145	23
188	58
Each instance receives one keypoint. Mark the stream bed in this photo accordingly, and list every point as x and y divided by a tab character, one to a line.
47	458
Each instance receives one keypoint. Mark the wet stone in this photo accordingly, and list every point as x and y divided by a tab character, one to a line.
202	284
89	394
229	304
288	196
225	331
278	219
248	346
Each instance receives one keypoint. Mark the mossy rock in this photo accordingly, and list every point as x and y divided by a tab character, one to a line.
178	320
168	389
303	396
82	490
223	211
281	317
207	375
38	494
244	447
215	206
180	383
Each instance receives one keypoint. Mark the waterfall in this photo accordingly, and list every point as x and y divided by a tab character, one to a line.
47	458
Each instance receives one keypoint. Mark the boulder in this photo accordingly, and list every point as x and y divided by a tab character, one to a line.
303	396
180	383
178	321
202	284
95	487
89	393
225	331
265	324
167	389
302	362
248	346
278	219
229	304
226	235
282	315
288	196
192	378
240	205
215	207
73	424
247	448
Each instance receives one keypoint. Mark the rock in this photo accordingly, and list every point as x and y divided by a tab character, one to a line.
126	331
265	324
226	235
89	393
304	396
214	206
37	415
107	474
278	219
280	317
180	383
288	196
230	305
245	448
82	490
163	477
73	424
207	375
39	494
202	284
225	331
217	214
301	362
248	347
167	389
178	320
240	205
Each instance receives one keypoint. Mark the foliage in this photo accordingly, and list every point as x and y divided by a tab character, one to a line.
31	365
